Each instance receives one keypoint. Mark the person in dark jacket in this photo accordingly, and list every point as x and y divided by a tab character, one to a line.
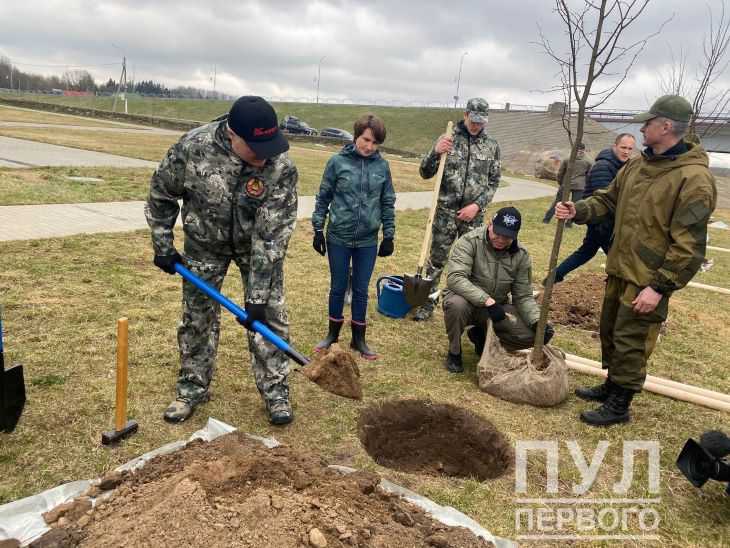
357	193
598	235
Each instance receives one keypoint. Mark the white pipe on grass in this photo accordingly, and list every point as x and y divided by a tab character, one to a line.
709	288
713	248
657	388
659	380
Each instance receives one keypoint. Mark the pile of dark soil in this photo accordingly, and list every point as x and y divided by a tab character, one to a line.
576	302
235	492
437	439
336	371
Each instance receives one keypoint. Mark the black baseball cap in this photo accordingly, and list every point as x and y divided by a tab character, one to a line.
507	222
253	119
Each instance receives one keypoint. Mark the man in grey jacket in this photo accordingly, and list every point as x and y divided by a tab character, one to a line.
486	267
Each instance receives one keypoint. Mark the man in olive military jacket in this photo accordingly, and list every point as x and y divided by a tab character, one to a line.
661	203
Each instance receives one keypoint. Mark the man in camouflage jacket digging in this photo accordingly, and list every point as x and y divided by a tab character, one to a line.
471	177
490	279
239	204
661	203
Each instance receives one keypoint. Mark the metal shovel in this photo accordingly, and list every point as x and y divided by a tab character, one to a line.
12	390
241	314
418	288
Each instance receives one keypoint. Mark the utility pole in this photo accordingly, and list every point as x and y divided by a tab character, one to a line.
215	73
11	77
458	78
120	86
319	71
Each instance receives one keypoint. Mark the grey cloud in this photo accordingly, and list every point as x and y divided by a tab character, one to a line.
403	51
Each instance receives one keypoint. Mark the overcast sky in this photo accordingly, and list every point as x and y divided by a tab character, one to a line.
387	51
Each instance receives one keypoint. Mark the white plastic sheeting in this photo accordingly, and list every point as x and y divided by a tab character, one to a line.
23	519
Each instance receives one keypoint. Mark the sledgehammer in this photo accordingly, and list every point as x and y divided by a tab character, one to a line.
122	427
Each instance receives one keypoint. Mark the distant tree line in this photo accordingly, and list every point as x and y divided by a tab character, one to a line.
81	80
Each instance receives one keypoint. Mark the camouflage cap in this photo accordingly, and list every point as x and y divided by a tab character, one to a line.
478	110
673	107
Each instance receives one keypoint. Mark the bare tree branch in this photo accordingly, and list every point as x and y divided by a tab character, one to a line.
594	35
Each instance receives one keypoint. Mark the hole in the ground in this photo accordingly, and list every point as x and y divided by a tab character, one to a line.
437	439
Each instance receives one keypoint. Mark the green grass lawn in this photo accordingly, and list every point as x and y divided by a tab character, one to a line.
62	298
50	185
8	114
409	128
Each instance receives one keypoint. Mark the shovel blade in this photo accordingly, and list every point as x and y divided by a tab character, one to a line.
417	289
12	397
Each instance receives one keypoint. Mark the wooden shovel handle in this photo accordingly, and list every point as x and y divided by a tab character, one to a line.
120	416
434	202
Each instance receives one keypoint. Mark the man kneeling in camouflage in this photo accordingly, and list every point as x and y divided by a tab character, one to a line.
238	189
486	267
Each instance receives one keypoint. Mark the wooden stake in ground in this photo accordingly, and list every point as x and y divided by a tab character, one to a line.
122	427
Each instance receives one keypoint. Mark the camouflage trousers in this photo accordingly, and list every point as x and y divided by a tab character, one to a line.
628	338
513	333
199	330
445	230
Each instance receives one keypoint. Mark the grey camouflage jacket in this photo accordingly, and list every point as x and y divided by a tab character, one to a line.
477	271
229	208
471	173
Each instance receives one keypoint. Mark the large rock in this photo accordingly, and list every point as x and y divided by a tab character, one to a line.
547	164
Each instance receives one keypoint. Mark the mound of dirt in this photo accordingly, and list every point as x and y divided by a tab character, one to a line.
437	439
336	371
577	301
236	492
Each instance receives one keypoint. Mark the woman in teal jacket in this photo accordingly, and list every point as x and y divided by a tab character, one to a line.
357	193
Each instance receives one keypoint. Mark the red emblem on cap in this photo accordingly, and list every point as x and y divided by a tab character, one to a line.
261	132
254	188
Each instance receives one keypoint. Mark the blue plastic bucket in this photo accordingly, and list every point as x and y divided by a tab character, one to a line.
392	296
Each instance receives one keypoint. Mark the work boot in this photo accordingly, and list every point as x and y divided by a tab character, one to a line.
358	341
599	392
423	312
453	363
478	337
182	408
332	336
280	411
614	410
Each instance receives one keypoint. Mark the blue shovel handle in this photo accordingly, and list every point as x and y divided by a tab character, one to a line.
242	315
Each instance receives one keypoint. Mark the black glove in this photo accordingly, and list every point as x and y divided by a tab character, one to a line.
496	313
167	263
386	247
255	311
549	331
319	244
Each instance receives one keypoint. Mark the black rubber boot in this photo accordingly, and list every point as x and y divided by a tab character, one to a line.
595	393
332	336
358	341
478	337
615	409
453	363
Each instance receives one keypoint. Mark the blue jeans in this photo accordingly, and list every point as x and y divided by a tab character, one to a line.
598	236
363	262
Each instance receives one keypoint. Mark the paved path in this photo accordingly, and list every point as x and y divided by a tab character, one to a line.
22	153
56	220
